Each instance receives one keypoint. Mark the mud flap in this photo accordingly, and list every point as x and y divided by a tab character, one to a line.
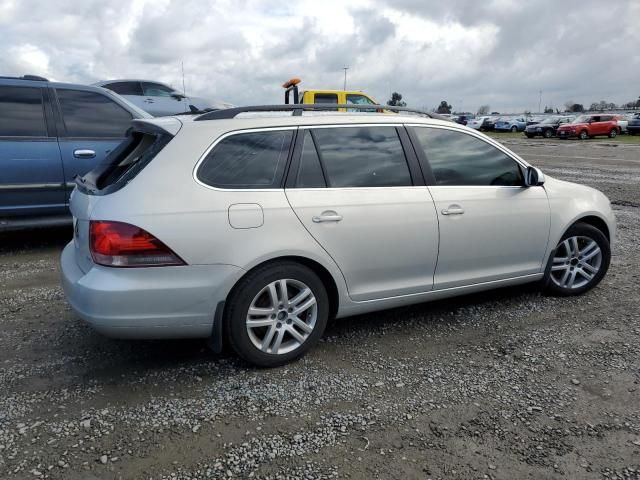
214	342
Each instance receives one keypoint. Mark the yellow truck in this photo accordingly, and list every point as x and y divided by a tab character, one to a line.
341	97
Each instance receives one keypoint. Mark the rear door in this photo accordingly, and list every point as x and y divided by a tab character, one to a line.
360	196
31	176
91	124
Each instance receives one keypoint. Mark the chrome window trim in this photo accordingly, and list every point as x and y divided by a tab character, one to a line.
229	134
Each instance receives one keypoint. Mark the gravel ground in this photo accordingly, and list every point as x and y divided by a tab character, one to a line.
506	384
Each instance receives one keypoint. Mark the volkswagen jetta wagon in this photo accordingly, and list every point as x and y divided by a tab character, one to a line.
255	229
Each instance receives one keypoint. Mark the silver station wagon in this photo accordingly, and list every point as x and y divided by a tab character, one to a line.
255	228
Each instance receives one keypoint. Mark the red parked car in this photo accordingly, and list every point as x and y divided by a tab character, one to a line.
589	126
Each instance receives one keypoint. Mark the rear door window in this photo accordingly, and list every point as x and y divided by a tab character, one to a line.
92	115
310	174
21	112
247	160
362	157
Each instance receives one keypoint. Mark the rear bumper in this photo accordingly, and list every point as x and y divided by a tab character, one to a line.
158	302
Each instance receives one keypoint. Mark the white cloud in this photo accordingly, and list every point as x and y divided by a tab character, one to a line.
499	52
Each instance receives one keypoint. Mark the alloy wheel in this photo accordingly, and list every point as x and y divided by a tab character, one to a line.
282	316
576	262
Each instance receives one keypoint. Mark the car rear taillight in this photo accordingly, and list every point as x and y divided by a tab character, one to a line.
118	244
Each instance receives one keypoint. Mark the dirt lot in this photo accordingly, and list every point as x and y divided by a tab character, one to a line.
504	385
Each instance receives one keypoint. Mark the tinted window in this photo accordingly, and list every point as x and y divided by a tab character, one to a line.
89	114
156	90
362	157
247	160
325	98
310	172
21	112
125	88
460	159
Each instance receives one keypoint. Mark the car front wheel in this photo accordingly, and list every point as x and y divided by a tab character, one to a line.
548	133
613	133
583	135
514	129
276	314
580	261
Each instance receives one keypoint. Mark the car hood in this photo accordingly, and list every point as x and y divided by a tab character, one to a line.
572	125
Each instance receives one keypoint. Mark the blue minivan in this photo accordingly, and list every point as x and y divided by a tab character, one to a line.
49	133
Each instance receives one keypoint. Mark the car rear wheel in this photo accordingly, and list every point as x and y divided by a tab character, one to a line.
276	314
514	129
580	261
548	133
613	133
583	135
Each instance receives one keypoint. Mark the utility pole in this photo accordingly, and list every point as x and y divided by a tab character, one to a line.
184	89
540	102
345	77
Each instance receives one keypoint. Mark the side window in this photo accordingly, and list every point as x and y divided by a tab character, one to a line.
247	160
362	157
21	112
156	90
457	158
310	172
325	98
359	100
90	114
125	88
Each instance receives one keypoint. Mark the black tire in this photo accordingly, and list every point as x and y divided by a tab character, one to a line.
583	135
548	133
514	129
613	133
529	135
244	293
579	230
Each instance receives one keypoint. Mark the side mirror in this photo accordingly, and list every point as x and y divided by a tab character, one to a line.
533	177
178	95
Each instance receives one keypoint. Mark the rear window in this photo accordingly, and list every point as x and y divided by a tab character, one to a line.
21	112
247	160
124	162
125	88
325	98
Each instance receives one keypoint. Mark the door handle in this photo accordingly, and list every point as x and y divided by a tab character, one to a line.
327	217
453	210
149	100
84	153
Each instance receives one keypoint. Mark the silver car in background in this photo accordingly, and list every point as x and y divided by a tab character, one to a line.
256	229
159	99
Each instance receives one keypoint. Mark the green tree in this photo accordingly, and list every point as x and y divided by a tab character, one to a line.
444	107
396	100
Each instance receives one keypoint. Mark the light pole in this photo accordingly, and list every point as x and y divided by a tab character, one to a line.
540	102
345	77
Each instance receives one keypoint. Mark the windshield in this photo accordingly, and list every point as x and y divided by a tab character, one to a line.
549	121
582	119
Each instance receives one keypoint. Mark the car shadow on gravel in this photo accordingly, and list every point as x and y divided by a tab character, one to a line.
35	239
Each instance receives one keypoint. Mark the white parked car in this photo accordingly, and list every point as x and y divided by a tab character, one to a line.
257	229
477	122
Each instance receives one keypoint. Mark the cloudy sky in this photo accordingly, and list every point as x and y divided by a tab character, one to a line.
496	52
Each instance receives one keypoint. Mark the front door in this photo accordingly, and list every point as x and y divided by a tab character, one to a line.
492	227
92	126
31	177
354	193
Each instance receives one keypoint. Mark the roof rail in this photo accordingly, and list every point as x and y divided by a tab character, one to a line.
27	77
297	110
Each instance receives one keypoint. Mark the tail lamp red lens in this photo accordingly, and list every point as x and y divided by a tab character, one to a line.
118	244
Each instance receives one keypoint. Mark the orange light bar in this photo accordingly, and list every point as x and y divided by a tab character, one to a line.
291	83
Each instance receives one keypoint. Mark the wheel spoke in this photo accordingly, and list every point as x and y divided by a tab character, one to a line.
560	259
571	278
559	268
261	312
574	244
591	254
592	244
585	274
303	326
266	341
295	334
284	293
304	306
263	322
273	294
300	297
589	268
278	341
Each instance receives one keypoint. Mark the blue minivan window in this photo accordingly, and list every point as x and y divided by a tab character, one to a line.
21	112
89	114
